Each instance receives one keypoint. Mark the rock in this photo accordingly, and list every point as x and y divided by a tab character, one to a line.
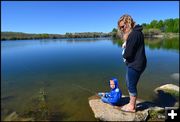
176	104
158	36
168	88
156	114
106	112
11	117
15	117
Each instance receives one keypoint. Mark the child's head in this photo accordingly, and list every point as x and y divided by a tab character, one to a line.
113	83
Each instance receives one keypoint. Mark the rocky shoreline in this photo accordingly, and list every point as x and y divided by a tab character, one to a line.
146	111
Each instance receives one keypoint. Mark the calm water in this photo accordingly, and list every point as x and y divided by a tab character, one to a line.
67	67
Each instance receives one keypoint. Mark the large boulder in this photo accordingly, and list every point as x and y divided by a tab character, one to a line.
167	95
168	88
106	112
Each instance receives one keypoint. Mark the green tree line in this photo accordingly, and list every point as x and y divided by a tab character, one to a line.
167	25
25	36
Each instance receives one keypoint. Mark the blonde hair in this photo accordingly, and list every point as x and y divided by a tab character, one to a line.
127	19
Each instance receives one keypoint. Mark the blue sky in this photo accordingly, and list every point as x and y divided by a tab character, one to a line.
61	17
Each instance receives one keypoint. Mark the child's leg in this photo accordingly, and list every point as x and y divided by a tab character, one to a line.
104	99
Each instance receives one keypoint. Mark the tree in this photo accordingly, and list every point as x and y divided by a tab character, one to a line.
160	25
176	25
114	32
144	25
154	24
169	25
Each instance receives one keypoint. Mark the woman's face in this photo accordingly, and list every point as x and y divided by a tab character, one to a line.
124	27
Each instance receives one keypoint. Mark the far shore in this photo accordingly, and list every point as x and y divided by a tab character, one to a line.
161	35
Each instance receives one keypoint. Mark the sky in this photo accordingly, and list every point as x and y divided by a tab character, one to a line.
80	16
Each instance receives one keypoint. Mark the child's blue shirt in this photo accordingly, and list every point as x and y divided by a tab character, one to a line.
114	96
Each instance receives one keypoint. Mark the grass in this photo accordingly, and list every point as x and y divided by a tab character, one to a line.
172	92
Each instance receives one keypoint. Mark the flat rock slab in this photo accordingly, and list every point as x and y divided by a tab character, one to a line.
106	112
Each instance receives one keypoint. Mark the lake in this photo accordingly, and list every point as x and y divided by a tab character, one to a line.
72	70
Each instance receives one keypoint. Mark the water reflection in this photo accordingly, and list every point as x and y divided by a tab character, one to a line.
75	40
168	44
157	43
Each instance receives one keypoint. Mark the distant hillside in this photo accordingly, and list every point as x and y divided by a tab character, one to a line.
24	36
21	36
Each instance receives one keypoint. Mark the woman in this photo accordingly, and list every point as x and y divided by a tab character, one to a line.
134	55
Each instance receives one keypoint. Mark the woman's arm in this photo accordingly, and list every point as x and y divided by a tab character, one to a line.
131	47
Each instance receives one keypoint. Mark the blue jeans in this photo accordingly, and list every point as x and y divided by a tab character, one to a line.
105	100
132	77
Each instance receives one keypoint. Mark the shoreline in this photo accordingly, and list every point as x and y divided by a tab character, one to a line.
162	35
92	36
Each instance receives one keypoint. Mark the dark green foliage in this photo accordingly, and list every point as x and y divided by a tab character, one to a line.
114	33
168	25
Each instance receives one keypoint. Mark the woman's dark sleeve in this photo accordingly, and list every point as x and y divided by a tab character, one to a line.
131	47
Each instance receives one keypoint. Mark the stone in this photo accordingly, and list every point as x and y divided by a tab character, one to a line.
168	88
106	112
15	117
11	117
